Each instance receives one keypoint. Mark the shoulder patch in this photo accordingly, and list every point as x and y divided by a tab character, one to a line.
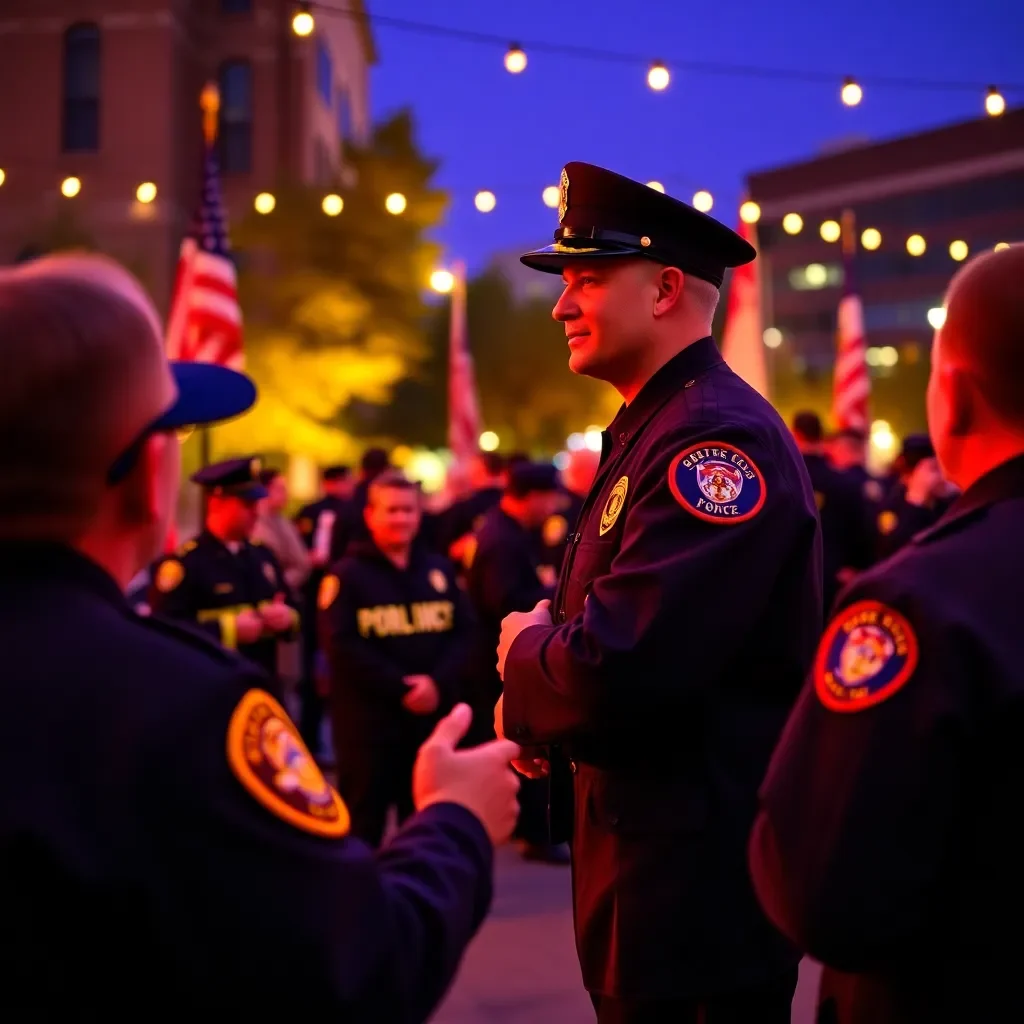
270	760
438	580
613	506
330	586
868	652
887	521
717	482
554	530
169	575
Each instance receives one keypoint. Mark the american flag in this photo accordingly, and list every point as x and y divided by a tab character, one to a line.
851	386
205	324
463	410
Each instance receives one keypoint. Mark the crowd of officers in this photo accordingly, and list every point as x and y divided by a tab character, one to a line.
385	613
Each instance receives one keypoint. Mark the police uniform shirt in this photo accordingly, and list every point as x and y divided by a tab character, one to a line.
208	583
160	819
685	618
889	843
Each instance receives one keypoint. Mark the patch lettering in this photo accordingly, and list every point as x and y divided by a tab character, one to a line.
717	482
868	652
169	575
384	620
270	760
613	506
330	586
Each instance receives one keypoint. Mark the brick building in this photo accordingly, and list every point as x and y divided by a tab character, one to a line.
107	91
960	188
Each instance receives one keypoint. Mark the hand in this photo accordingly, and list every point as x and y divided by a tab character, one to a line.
478	779
530	767
248	626
514	623
277	616
423	697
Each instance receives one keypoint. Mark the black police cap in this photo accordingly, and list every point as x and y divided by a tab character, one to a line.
602	214
528	477
237	478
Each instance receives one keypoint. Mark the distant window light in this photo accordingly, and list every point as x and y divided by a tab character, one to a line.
324	72
815	276
235	134
236	6
80	130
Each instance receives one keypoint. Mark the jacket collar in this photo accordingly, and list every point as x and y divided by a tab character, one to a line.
32	560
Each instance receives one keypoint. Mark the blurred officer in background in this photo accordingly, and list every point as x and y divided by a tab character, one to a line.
848	453
576	478
171	839
684	621
888	844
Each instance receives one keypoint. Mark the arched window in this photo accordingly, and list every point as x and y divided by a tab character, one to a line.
235	134
80	131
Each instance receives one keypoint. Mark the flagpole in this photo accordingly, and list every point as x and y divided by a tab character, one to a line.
209	102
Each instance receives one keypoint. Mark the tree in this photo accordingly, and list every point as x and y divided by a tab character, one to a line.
334	314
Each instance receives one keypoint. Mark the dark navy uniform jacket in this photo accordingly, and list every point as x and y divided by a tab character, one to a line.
897	520
206	583
889	844
163	831
308	518
685	619
553	536
379	623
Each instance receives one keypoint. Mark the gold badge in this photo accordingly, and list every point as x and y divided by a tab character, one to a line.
563	196
438	580
554	531
887	521
270	760
271	573
329	589
169	575
613	506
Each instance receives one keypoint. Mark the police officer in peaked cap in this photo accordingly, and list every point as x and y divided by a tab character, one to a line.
684	619
158	809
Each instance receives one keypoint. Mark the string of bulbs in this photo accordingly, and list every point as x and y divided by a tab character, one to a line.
851	90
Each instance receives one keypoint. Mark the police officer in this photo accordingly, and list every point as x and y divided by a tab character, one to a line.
685	617
396	629
233	589
158	811
316	520
505	576
847	541
576	477
848	454
457	523
889	844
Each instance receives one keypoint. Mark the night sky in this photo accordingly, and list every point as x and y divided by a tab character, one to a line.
512	133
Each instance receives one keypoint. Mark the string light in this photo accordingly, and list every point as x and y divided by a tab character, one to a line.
703	201
830	231
264	203
750	212
70	187
3	176
851	93
146	192
936	317
515	59
772	337
656	185
332	205
485	201
916	245
871	238
994	102
302	23
792	223
395	203
489	441
958	250
551	196
658	76
442	281
999	245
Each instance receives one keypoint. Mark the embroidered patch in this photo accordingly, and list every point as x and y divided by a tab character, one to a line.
330	586
169	575
717	482
613	506
271	573
887	521
868	652
563	195
438	580
554	530
270	760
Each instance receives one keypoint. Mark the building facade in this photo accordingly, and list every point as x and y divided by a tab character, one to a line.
921	204
107	92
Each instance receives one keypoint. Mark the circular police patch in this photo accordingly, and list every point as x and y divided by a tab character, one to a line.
868	652
271	761
717	482
169	575
330	586
613	506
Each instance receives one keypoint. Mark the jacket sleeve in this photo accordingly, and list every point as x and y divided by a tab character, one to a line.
290	596
867	790
239	864
353	659
588	675
451	672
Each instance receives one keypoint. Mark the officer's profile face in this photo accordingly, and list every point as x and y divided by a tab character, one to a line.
393	516
608	311
235	518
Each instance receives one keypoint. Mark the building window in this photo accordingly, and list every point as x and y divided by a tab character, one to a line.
81	122
235	135
324	72
344	114
236	6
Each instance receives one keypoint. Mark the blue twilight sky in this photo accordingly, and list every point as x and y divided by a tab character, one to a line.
512	133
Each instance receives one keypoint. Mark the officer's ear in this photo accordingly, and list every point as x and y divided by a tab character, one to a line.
671	283
962	401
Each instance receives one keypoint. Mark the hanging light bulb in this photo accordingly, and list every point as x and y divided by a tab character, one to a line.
332	205
958	250
851	93
70	187
792	223
830	230
750	212
658	76
302	23
146	192
916	245
656	185
703	201
515	59
395	203
551	195
485	201
264	203
994	102
871	238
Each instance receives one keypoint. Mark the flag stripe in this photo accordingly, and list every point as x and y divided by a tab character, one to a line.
463	409
851	388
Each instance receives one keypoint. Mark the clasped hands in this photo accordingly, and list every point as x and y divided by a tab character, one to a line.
275	617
